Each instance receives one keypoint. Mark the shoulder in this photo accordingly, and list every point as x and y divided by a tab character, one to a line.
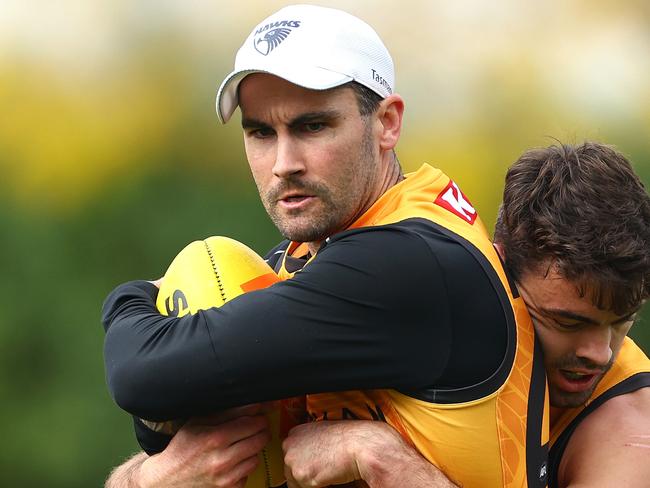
611	446
374	255
409	240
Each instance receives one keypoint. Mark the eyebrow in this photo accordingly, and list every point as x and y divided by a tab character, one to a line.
302	119
582	318
309	117
247	123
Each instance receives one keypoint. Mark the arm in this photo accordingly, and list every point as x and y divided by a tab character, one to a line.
366	316
332	453
220	451
611	447
125	475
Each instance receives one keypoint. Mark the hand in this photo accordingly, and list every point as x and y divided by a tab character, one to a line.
321	454
331	453
158	282
219	451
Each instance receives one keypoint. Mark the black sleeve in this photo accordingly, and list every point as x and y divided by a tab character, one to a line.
150	441
364	314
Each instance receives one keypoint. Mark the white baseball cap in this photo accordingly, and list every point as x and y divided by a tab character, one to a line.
313	47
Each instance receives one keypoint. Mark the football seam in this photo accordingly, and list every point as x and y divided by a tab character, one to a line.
267	469
216	272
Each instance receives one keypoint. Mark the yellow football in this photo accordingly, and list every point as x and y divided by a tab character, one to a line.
207	274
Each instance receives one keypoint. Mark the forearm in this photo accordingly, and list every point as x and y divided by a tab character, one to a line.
398	467
385	460
164	367
126	475
335	452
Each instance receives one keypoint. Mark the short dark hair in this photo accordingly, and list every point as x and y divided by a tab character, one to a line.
367	99
583	209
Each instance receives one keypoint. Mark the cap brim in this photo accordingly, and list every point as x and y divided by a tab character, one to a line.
313	78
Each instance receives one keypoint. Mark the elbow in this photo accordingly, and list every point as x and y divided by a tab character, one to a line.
126	386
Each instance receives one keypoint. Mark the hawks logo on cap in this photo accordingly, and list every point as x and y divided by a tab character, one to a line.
269	36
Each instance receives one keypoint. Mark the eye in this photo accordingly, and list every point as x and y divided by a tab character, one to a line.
314	127
566	325
261	133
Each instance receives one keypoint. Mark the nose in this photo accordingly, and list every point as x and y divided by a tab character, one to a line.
596	345
289	159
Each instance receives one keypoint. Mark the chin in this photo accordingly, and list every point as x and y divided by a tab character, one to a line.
562	399
309	231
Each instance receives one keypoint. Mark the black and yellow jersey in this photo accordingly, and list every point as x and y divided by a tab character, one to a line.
407	317
630	371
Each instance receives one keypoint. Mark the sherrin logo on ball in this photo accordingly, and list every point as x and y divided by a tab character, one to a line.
207	274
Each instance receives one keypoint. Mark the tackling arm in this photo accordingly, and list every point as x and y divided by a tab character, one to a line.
332	453
611	447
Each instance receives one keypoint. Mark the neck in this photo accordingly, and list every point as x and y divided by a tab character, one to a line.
555	413
314	247
389	177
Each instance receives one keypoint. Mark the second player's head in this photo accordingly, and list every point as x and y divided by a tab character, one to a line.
574	228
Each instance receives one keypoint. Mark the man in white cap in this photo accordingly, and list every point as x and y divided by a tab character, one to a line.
392	295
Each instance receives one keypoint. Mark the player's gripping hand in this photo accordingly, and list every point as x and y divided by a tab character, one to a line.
218	451
322	454
332	453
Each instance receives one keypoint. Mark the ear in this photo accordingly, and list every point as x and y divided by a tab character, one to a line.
389	114
500	250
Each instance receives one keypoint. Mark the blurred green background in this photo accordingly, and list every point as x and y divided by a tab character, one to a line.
112	159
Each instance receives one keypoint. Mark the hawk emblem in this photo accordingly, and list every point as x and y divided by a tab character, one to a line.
270	40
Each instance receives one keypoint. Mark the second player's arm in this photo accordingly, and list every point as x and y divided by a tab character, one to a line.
332	453
611	447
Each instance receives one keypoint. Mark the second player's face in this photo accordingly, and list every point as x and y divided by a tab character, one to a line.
579	340
312	155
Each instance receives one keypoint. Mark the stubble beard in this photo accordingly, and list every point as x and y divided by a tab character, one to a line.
335	212
563	399
312	226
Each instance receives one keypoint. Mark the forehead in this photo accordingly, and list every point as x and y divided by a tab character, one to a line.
549	288
262	93
545	288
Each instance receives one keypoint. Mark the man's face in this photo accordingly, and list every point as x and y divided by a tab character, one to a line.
312	155
580	341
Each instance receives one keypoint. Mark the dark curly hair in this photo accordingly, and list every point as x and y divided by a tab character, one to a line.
583	210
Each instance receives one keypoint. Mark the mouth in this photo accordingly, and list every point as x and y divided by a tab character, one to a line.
295	201
577	381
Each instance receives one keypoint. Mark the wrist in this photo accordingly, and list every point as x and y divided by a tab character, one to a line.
128	474
379	454
145	474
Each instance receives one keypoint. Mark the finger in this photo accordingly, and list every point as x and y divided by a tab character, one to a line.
250	446
225	435
244	427
291	483
237	475
157	282
226	415
269	406
232	466
220	437
290	480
